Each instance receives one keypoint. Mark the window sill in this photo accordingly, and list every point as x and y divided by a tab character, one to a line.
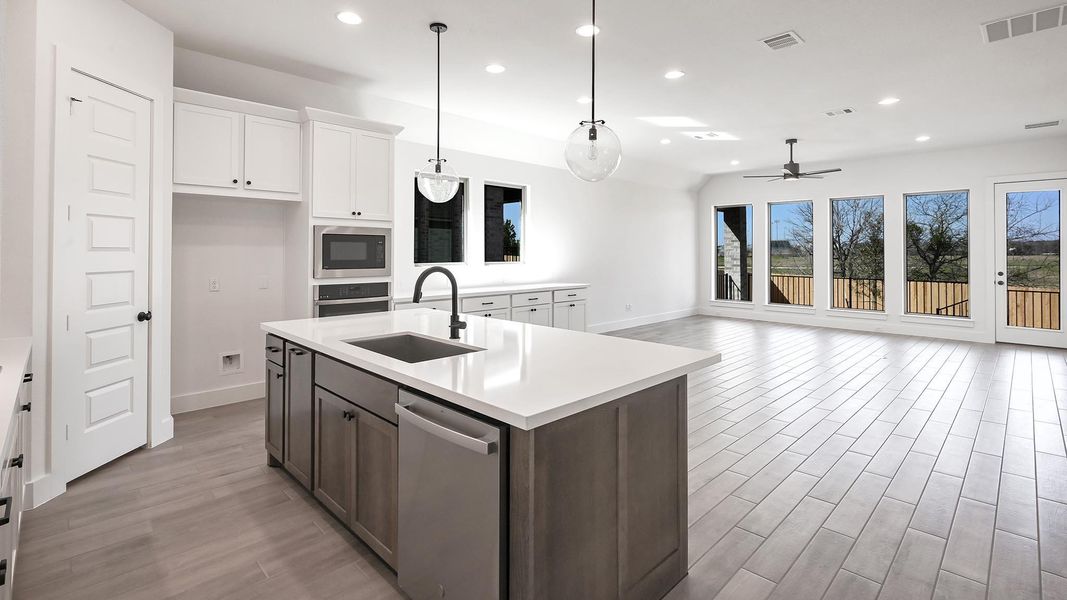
872	315
786	308
937	320
745	304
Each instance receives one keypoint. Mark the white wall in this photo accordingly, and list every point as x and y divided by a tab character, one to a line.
891	177
127	48
635	243
240	243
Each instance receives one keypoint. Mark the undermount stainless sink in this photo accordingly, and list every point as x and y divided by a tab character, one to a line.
412	348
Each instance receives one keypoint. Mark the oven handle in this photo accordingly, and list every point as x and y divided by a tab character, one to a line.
352	301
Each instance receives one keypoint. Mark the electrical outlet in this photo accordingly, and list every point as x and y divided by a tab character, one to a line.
213	284
629	307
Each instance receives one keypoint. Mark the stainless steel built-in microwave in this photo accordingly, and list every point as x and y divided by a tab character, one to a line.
352	251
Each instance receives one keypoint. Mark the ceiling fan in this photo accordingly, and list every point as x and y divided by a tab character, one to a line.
791	170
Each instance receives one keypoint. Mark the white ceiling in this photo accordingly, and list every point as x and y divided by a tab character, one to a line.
953	85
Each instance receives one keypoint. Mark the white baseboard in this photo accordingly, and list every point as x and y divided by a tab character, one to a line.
645	320
211	398
43	489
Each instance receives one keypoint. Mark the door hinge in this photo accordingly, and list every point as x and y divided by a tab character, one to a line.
66	432
68	322
28	377
68	212
72	101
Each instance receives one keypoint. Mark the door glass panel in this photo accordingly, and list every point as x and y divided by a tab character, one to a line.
733	262
792	256
1033	259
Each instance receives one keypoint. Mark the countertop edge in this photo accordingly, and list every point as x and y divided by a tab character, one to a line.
525	422
491	291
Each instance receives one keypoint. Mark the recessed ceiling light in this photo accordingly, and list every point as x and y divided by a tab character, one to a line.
349	18
584	100
495	68
665	141
923	138
888	101
707	136
673	121
674	74
587	30
735	162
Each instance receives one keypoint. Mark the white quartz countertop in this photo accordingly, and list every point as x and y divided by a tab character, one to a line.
527	376
446	294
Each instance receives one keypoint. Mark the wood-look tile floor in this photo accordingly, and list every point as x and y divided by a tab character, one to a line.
822	464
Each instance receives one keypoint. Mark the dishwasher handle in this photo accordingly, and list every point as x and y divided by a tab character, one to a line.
436	429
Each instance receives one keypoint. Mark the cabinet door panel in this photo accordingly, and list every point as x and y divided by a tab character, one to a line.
375	507
275	409
333	171
207	146
272	155
374	177
535	315
299	407
335	429
569	315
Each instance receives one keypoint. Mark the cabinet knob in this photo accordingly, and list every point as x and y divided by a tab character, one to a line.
359	212
249	182
279	375
17	461
235	181
348	415
572	306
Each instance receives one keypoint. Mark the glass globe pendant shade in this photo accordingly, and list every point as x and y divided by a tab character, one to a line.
438	182
593	151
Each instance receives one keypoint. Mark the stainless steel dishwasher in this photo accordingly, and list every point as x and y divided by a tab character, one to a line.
452	503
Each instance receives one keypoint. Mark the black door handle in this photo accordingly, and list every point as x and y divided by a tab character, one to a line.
17	461
144	316
4	520
3	563
297	351
273	349
279	375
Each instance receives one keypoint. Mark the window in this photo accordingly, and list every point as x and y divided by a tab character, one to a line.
439	228
733	254
857	240
503	223
792	256
935	237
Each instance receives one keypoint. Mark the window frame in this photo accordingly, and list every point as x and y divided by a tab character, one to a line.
885	259
524	216
464	215
905	314
715	253
802	308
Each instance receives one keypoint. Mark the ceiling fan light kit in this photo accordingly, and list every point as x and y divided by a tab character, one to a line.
791	170
437	180
593	151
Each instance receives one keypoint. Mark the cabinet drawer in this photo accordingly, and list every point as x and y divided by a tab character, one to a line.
363	389
570	295
531	298
273	350
500	313
485	303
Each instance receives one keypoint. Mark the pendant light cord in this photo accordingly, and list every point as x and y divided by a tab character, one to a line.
592	93
438	95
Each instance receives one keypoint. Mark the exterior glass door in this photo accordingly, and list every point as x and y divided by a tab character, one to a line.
1029	262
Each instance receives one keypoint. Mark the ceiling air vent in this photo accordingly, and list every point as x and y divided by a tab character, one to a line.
783	40
1042	125
839	112
1010	27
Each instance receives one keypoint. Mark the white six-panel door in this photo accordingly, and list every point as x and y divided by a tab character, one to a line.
101	271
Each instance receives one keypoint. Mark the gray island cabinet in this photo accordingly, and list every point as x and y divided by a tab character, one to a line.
592	493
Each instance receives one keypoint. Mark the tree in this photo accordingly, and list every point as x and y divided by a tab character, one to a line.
936	236
858	248
511	239
1033	235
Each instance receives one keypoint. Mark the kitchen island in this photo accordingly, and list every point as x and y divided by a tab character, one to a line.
535	463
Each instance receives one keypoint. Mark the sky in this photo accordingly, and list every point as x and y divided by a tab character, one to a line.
783	217
513	212
1047	219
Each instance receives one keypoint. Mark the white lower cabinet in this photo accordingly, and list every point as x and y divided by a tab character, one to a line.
569	315
500	313
535	315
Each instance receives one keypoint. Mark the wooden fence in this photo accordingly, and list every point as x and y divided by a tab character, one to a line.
1033	307
1027	307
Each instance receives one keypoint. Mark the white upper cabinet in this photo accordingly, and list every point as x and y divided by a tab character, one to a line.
229	147
207	146
272	155
351	173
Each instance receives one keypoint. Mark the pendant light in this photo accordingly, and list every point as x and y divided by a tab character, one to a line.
593	150
437	181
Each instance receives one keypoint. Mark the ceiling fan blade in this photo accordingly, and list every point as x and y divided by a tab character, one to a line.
761	176
810	177
824	171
